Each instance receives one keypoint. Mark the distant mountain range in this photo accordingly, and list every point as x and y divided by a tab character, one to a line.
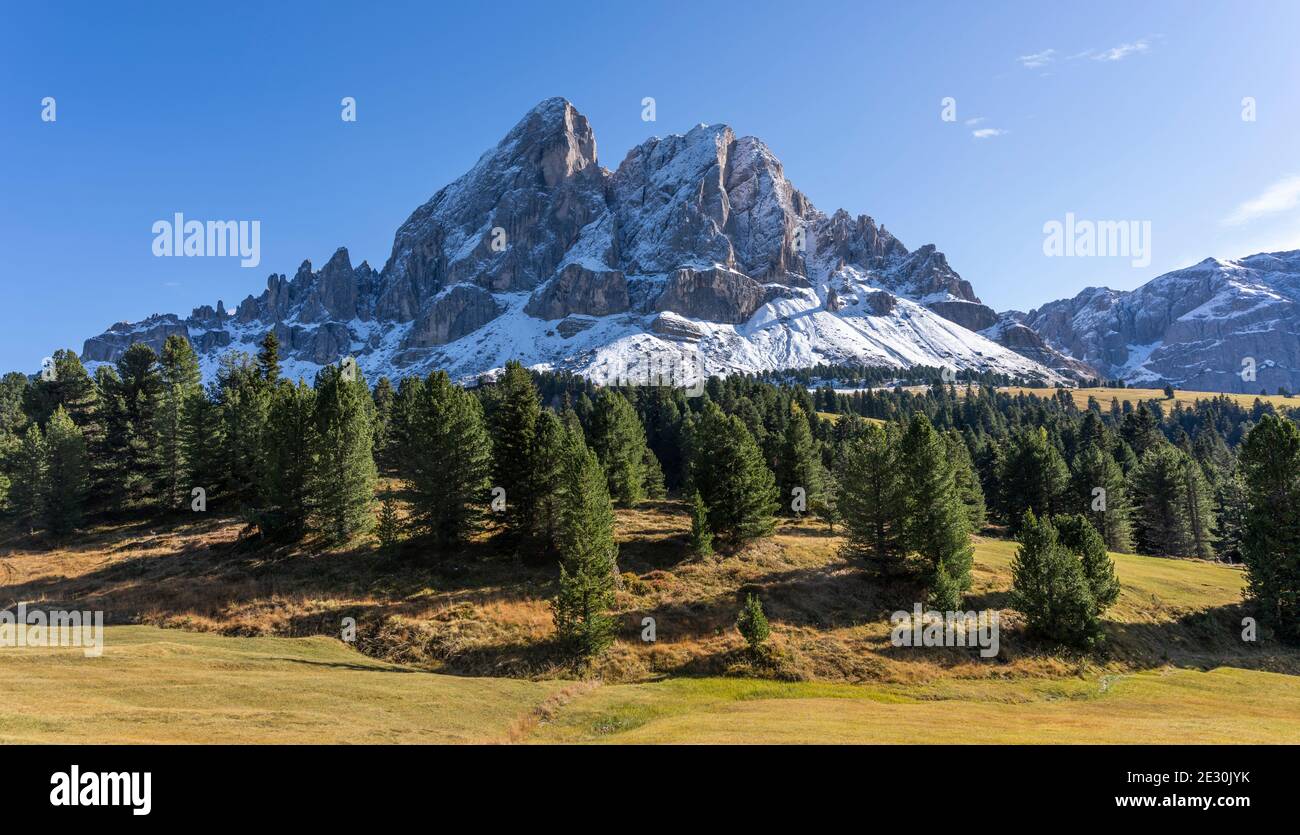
698	253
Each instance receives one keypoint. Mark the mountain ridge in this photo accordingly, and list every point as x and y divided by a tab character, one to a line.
695	252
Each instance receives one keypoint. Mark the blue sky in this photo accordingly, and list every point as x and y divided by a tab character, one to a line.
1107	110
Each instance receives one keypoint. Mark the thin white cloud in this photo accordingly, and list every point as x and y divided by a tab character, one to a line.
1279	197
1119	53
975	121
987	133
1038	59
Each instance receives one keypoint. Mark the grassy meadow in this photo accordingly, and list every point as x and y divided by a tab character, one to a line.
213	641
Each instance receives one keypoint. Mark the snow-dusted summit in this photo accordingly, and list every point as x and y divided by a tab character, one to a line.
1215	326
696	252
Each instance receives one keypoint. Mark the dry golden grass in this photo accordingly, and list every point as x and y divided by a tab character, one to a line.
486	612
170	686
1137	395
832	676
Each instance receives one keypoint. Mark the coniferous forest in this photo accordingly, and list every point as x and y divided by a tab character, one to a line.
538	462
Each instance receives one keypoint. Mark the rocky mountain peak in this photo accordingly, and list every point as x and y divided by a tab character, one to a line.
697	245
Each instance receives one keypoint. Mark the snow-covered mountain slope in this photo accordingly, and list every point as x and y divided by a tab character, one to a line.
695	255
1206	327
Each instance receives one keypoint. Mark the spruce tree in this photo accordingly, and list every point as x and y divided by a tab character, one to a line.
107	449
968	482
180	384
389	529
133	434
935	523
653	485
549	452
1270	548
752	624
727	469
827	507
203	443
617	438
701	534
871	501
1049	588
385	401
66	384
589	555
1173	516
799	462
448	462
1077	535
27	484
268	359
343	476
1033	476
66	474
1230	508
1108	510
286	486
243	398
512	424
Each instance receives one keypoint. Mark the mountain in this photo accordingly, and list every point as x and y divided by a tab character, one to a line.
1199	328
695	254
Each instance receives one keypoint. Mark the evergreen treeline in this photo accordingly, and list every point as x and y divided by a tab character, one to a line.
909	473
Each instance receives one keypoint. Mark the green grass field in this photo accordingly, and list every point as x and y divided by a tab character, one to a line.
157	686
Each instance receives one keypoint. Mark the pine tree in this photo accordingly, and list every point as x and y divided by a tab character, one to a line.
512	424
1077	535
617	438
343	477
727	469
871	501
549	452
589	555
107	449
133	423
448	463
27	488
968	482
752	624
203	443
799	462
1173	515
935	525
268	359
1230	510
827	508
389	529
66	384
1270	548
1049	588
243	398
1198	501
1033	476
180	384
1108	510
701	534
286	486
385	402
66	474
653	485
